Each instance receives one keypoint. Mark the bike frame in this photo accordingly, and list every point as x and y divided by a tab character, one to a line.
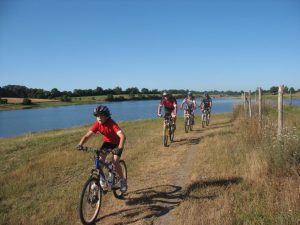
98	171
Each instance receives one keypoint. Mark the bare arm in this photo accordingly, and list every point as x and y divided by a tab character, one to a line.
159	109
86	137
122	139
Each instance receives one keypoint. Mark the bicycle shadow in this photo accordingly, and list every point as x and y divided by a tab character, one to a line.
154	202
188	141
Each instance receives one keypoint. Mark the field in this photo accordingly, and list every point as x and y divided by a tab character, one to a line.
227	173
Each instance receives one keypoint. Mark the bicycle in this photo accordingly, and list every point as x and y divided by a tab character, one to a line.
90	200
168	129
205	120
188	121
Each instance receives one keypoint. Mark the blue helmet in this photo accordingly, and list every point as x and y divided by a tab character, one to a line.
101	110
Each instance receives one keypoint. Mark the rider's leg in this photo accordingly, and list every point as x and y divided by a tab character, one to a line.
115	161
102	179
118	168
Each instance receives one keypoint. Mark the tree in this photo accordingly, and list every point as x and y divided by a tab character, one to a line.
274	90
54	93
117	90
99	91
145	90
286	89
292	90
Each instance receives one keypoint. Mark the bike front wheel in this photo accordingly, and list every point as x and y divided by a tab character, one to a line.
186	125
203	121
191	124
172	132
165	134
90	201
117	192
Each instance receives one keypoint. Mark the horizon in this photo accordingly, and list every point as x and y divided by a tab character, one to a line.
195	45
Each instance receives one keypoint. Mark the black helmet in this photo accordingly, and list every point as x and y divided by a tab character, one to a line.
165	93
102	110
190	93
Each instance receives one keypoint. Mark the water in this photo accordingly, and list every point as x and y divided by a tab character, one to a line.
16	122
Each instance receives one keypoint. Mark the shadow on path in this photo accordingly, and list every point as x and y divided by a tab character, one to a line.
154	202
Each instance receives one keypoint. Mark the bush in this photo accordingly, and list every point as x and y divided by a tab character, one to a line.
3	101
65	98
109	98
26	101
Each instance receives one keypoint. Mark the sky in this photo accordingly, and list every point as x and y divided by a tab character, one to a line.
155	44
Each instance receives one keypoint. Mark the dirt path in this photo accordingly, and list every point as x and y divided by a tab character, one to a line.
152	198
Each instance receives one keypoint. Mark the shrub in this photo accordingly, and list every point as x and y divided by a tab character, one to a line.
26	101
65	98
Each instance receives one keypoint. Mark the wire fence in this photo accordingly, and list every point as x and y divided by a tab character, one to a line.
257	108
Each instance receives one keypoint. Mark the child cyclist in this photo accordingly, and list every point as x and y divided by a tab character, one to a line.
113	141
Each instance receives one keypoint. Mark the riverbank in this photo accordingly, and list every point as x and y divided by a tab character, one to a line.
224	169
16	103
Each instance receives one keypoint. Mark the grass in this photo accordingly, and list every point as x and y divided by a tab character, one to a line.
232	177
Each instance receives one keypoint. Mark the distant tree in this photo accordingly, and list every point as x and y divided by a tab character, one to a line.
155	91
292	90
98	91
274	90
145	90
54	93
286	89
117	90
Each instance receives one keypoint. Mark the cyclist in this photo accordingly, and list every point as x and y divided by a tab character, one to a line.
206	104
190	105
170	104
113	141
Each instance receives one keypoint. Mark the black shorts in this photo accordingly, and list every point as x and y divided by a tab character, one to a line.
108	147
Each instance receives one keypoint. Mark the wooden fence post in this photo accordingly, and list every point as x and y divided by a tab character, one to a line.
249	102
245	109
259	108
290	97
280	111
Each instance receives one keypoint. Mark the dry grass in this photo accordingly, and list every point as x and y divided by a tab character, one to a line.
223	174
244	177
34	100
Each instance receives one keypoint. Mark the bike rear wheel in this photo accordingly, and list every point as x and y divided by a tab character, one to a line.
117	192
90	201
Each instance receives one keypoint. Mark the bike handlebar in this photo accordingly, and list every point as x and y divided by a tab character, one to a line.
89	149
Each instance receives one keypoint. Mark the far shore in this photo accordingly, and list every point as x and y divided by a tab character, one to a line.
16	103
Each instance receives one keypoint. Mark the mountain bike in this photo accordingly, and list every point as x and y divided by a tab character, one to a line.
205	120
168	129
90	200
188	121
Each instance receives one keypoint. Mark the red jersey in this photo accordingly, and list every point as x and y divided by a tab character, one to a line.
109	130
168	103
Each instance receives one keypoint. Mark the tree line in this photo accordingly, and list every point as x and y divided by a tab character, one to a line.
19	91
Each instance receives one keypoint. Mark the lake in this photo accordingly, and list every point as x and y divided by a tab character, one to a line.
17	122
